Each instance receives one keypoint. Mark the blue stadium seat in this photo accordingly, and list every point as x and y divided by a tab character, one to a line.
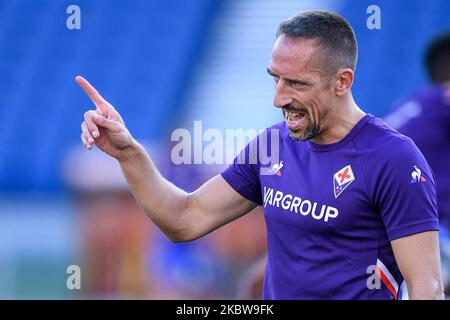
136	53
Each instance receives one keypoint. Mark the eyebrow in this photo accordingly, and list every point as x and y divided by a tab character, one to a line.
270	72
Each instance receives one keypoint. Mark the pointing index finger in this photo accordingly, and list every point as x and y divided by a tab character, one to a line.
90	90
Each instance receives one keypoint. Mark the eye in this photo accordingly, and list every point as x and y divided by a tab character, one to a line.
276	79
297	84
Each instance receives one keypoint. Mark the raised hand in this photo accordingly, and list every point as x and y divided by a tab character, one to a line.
103	126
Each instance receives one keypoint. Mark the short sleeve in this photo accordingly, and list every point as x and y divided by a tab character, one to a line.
243	176
405	191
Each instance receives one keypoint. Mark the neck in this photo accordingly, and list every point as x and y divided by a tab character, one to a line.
340	122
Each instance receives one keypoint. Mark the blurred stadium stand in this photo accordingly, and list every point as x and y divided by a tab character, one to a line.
391	59
139	54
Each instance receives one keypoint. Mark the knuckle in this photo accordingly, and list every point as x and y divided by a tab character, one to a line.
88	114
118	126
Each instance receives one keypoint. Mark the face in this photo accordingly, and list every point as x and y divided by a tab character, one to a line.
302	90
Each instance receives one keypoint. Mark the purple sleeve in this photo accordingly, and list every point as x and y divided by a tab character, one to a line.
243	177
404	191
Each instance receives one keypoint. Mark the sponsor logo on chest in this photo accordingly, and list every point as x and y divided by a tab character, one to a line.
295	204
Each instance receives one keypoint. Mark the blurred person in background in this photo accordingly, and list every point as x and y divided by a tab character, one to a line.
380	220
424	116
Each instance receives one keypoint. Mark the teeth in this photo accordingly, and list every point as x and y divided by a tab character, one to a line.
294	114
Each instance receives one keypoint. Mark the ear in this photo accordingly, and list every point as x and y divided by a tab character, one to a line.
344	80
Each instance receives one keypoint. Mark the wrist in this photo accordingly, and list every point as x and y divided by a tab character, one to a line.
130	152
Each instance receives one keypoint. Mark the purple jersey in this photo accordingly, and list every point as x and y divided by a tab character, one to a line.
332	210
425	118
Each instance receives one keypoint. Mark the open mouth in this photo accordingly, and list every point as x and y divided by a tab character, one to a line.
294	119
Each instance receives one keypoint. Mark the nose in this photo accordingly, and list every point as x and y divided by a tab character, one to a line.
282	96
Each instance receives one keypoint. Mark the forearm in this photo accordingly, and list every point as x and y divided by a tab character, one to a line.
431	290
163	202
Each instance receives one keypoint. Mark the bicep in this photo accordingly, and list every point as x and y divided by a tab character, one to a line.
215	204
418	259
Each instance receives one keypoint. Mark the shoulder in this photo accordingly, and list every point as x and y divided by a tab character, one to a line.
382	141
388	154
427	96
409	112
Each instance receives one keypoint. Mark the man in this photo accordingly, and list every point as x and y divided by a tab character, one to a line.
424	116
341	202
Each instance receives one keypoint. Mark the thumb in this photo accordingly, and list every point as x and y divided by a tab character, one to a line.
104	122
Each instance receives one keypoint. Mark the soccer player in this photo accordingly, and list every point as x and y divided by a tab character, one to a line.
349	199
424	116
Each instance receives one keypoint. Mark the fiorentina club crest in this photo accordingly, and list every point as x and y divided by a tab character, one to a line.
342	179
